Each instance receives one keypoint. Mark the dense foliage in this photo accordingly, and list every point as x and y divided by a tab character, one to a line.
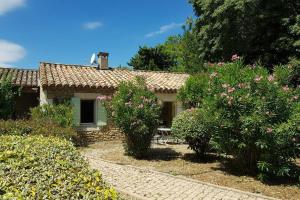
8	92
36	127
259	30
152	58
184	49
194	90
62	114
196	127
37	167
136	113
258	116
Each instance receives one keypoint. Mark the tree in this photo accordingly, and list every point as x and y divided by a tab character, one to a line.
8	92
185	50
259	30
152	58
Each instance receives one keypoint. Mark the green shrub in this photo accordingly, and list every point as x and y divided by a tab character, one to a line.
259	117
8	92
62	114
136	113
35	127
195	126
36	167
194	90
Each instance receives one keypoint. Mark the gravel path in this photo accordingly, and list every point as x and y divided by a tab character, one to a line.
139	183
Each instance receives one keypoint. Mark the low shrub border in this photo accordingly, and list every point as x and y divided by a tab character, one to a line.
37	167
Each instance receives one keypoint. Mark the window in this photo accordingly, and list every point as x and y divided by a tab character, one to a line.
87	108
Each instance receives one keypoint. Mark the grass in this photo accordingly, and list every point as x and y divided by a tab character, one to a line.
180	161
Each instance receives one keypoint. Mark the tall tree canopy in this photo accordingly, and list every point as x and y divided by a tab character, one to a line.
185	50
260	30
152	58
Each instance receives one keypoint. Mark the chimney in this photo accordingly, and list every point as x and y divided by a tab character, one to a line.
103	60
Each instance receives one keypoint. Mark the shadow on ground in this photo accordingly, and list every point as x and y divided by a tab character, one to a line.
165	154
192	157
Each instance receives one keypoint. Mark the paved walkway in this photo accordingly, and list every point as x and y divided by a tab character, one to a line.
138	183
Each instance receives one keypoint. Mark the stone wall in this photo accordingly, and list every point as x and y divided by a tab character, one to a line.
106	133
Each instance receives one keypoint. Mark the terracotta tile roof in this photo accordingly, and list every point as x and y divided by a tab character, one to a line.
62	75
20	77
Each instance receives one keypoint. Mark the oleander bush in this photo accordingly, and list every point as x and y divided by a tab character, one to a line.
136	112
37	167
258	116
196	127
36	127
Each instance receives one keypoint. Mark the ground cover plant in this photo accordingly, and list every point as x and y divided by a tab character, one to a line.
136	112
37	167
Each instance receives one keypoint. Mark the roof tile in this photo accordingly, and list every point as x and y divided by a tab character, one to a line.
57	75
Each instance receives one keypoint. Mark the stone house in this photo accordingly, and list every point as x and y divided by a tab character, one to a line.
54	83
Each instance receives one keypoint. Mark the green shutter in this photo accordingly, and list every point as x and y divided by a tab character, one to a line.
76	113
101	114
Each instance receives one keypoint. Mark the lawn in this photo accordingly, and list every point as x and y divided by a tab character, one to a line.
178	160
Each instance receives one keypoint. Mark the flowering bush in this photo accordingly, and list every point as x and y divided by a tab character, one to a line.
136	112
258	116
195	126
259	120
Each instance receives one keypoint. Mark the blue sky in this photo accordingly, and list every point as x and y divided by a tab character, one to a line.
69	31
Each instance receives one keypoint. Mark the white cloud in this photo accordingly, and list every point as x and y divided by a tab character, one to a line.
164	29
92	25
9	5
10	52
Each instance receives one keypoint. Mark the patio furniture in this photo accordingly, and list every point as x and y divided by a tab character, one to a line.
163	133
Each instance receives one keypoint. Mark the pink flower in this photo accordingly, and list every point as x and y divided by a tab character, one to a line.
235	57
223	94
258	79
269	130
225	85
253	65
210	64
103	98
241	85
141	106
295	98
286	88
220	64
270	78
214	74
230	89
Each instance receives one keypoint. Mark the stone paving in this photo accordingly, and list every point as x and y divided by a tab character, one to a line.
144	184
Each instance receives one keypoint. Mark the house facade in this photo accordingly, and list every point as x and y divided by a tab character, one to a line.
54	83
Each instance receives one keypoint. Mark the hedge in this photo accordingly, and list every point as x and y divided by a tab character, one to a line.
38	167
36	127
